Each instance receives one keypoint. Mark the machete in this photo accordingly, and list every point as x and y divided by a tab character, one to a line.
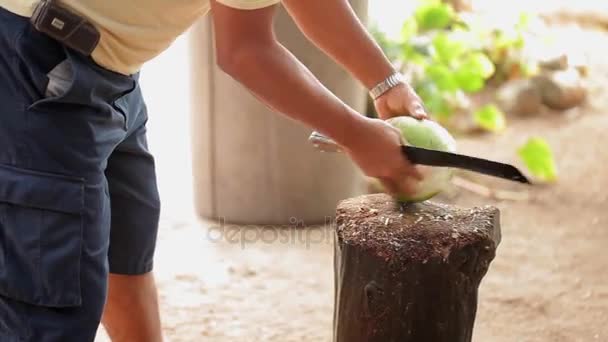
422	156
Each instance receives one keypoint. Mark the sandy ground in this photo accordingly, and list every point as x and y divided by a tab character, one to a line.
548	281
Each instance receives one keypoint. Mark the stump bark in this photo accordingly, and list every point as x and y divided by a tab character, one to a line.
411	273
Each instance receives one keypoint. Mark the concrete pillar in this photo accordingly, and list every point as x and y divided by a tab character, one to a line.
252	165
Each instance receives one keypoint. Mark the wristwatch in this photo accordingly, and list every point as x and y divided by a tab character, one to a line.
384	86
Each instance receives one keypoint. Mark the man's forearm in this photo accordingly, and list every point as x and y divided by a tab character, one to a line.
333	26
274	75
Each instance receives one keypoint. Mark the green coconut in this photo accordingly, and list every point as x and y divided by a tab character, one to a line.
430	135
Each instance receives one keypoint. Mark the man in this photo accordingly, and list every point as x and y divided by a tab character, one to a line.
78	200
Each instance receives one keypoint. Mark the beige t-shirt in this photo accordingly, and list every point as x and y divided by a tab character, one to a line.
135	31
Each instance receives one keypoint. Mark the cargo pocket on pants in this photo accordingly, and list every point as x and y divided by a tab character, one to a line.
40	237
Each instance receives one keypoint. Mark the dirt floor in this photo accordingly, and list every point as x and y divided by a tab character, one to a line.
549	281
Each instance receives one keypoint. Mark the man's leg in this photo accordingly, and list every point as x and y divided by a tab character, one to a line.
131	313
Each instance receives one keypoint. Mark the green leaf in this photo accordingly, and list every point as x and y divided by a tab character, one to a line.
409	29
468	80
434	100
412	55
490	118
438	107
433	15
474	70
480	64
538	158
447	50
442	77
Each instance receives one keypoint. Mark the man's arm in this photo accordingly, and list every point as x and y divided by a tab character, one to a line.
247	50
333	26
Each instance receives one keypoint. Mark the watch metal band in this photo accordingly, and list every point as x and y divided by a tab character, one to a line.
384	86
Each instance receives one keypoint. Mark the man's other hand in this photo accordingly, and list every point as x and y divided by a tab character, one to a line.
401	100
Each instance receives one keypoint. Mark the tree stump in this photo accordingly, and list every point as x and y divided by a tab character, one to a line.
409	273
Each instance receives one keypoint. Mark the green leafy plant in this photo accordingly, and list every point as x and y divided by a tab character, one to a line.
455	54
538	158
449	56
434	15
490	118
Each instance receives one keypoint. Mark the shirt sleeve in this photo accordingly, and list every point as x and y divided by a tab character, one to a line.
248	4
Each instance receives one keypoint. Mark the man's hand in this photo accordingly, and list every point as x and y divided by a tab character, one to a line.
334	27
399	101
376	148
